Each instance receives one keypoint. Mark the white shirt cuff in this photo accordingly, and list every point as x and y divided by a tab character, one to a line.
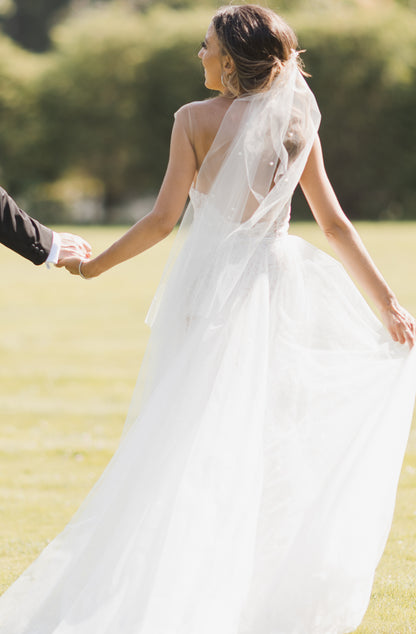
53	256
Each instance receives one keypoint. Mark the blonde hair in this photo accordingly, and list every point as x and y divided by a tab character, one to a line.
258	41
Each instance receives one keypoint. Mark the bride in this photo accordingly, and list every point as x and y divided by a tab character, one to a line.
254	485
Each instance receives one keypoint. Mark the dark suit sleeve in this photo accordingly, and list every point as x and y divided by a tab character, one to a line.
21	233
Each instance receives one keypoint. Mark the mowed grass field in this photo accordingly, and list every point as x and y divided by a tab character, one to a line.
70	351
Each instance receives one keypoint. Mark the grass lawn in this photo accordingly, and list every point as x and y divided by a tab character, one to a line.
69	356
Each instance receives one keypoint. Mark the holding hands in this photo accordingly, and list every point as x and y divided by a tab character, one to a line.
73	246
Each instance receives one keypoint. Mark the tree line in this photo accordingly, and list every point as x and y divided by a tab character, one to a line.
93	113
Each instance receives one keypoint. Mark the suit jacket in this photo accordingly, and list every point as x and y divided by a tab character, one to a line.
21	233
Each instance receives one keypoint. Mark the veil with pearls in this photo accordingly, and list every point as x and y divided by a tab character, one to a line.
244	188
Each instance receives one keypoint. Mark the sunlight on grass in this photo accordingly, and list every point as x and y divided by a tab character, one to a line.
70	351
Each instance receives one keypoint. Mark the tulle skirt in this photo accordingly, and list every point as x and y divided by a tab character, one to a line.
254	488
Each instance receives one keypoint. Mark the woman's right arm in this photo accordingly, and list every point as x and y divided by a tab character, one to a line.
165	214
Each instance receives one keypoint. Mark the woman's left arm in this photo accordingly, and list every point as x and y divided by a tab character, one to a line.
346	242
164	215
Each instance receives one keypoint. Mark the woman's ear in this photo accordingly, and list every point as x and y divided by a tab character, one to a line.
228	63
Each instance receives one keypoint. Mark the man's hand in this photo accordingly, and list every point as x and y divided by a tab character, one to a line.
73	246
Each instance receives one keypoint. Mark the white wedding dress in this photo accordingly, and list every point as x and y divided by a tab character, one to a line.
254	486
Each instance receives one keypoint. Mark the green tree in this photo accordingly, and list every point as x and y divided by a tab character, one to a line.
28	22
20	127
363	66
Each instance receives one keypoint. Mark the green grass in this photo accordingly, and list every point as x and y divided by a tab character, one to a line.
69	356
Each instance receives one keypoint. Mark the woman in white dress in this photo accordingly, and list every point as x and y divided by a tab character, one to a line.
254	486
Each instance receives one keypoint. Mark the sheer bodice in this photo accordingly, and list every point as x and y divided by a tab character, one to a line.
208	222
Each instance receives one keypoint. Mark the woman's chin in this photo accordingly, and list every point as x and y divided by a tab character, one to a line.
212	86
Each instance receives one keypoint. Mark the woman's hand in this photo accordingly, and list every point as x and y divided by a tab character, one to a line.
400	324
78	266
